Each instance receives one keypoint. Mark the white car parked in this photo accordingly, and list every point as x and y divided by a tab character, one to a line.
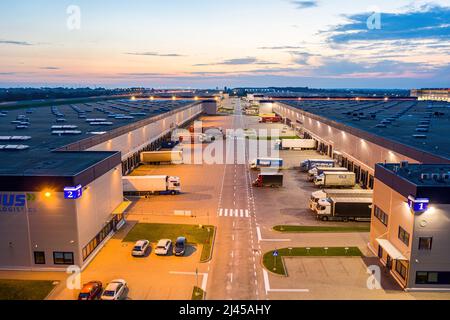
140	248
163	247
115	290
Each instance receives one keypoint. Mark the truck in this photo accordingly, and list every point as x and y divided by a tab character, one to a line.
266	163
307	165
169	144
160	157
340	179
317	171
271	119
143	186
344	209
337	193
300	144
269	179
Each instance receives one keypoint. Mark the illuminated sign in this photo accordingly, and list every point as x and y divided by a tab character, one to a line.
418	205
73	193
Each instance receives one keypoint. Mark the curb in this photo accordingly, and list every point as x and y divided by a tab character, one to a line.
212	247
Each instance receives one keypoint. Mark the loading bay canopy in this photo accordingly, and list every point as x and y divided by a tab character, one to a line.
391	250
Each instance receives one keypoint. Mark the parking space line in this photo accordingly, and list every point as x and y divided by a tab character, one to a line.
260	239
269	289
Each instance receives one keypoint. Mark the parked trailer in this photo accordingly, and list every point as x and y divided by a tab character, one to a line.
307	165
269	179
275	119
299	144
141	186
341	179
337	193
159	157
266	163
317	171
344	209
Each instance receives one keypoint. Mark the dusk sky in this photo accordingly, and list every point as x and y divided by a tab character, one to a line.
204	43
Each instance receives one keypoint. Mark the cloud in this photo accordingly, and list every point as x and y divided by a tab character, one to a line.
427	22
154	54
280	48
304	4
50	68
238	62
16	43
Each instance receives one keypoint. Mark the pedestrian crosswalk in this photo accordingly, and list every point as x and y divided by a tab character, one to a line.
234	213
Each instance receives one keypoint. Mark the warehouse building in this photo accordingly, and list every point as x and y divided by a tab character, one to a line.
430	94
61	194
360	134
411	222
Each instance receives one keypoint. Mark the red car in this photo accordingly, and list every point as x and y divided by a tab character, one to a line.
91	291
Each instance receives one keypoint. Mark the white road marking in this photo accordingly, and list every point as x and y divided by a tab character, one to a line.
268	289
234	213
260	239
204	275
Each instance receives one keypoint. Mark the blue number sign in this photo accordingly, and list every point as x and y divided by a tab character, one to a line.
418	205
73	193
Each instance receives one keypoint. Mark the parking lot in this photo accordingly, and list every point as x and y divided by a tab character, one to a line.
149	278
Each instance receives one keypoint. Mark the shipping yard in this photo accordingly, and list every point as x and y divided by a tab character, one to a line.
329	199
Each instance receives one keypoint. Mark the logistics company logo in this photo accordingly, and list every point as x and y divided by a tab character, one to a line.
16	203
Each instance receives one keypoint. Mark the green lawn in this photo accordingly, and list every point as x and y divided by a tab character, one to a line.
322	229
24	289
198	294
276	265
154	232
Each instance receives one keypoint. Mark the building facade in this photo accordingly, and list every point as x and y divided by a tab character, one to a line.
411	222
432	94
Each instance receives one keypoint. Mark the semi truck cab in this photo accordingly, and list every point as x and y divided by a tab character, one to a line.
174	184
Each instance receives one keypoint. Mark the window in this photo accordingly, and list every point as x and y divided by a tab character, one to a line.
425	243
63	258
433	278
39	257
403	236
401	267
381	215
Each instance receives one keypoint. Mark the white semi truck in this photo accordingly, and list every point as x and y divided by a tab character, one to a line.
300	144
340	179
142	186
317	171
159	157
344	209
337	193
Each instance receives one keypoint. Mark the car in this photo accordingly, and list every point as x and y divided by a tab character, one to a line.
180	247
115	290
91	291
163	247
140	248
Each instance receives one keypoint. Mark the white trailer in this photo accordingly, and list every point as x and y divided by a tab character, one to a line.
317	171
336	179
158	157
142	186
337	193
299	144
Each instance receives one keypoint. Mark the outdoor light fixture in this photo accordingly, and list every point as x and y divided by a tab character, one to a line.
47	194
